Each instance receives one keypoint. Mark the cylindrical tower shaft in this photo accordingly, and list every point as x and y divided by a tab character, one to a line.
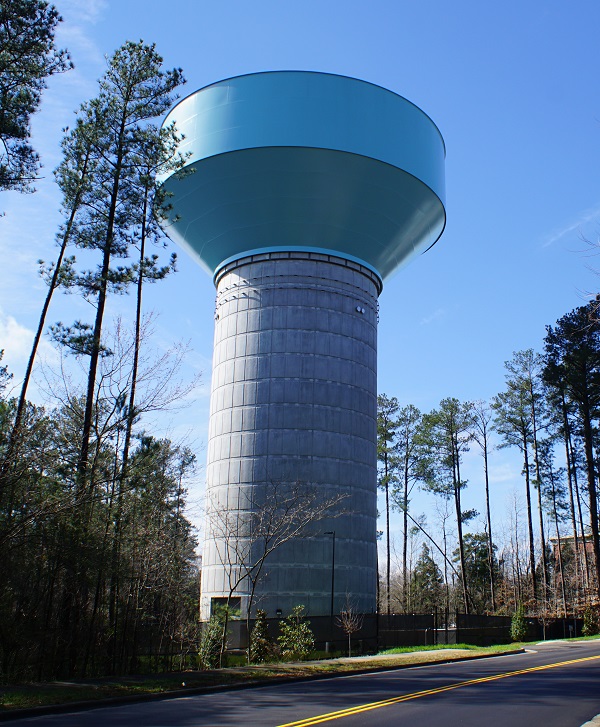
292	419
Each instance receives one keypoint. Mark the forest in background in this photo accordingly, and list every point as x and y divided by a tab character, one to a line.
98	560
549	561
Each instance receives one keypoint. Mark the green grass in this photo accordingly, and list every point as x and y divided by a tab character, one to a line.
411	649
564	638
471	647
441	647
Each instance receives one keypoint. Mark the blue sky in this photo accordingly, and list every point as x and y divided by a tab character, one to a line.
513	87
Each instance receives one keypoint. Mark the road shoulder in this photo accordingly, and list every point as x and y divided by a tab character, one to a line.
185	684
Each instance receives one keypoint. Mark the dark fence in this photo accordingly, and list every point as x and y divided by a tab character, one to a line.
560	628
152	655
482	630
407	629
329	636
394	630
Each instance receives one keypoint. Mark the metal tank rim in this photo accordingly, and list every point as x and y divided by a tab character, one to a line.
304	253
317	73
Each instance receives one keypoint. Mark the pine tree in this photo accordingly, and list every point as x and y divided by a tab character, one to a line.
108	178
412	466
482	423
512	421
387	409
74	179
28	57
125	144
573	358
447	432
427	584
565	429
476	546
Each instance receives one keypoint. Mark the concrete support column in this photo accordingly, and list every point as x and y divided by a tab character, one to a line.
294	403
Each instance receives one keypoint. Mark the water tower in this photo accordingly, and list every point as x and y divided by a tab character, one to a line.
309	190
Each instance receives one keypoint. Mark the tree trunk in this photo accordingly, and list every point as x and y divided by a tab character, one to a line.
538	477
461	547
529	519
570	471
387	526
489	523
15	432
116	544
591	481
82	464
559	543
405	537
517	562
586	560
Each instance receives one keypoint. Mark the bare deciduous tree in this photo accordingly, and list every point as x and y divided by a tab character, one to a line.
350	621
245	538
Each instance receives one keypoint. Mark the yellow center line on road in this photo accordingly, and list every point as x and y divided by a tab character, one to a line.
426	693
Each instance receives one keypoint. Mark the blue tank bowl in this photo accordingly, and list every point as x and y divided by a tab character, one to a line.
295	160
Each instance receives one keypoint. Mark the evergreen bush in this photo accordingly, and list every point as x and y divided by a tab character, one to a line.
591	627
296	639
262	648
518	625
209	649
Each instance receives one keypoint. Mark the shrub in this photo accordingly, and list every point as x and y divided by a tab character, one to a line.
209	649
518	625
590	622
296	639
262	648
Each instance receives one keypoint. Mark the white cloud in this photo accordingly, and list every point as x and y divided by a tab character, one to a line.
75	34
437	315
89	11
505	472
16	340
80	45
584	218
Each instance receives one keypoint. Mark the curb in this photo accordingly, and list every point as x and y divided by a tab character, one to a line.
594	722
89	704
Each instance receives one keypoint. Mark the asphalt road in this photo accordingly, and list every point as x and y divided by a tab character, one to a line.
556	685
